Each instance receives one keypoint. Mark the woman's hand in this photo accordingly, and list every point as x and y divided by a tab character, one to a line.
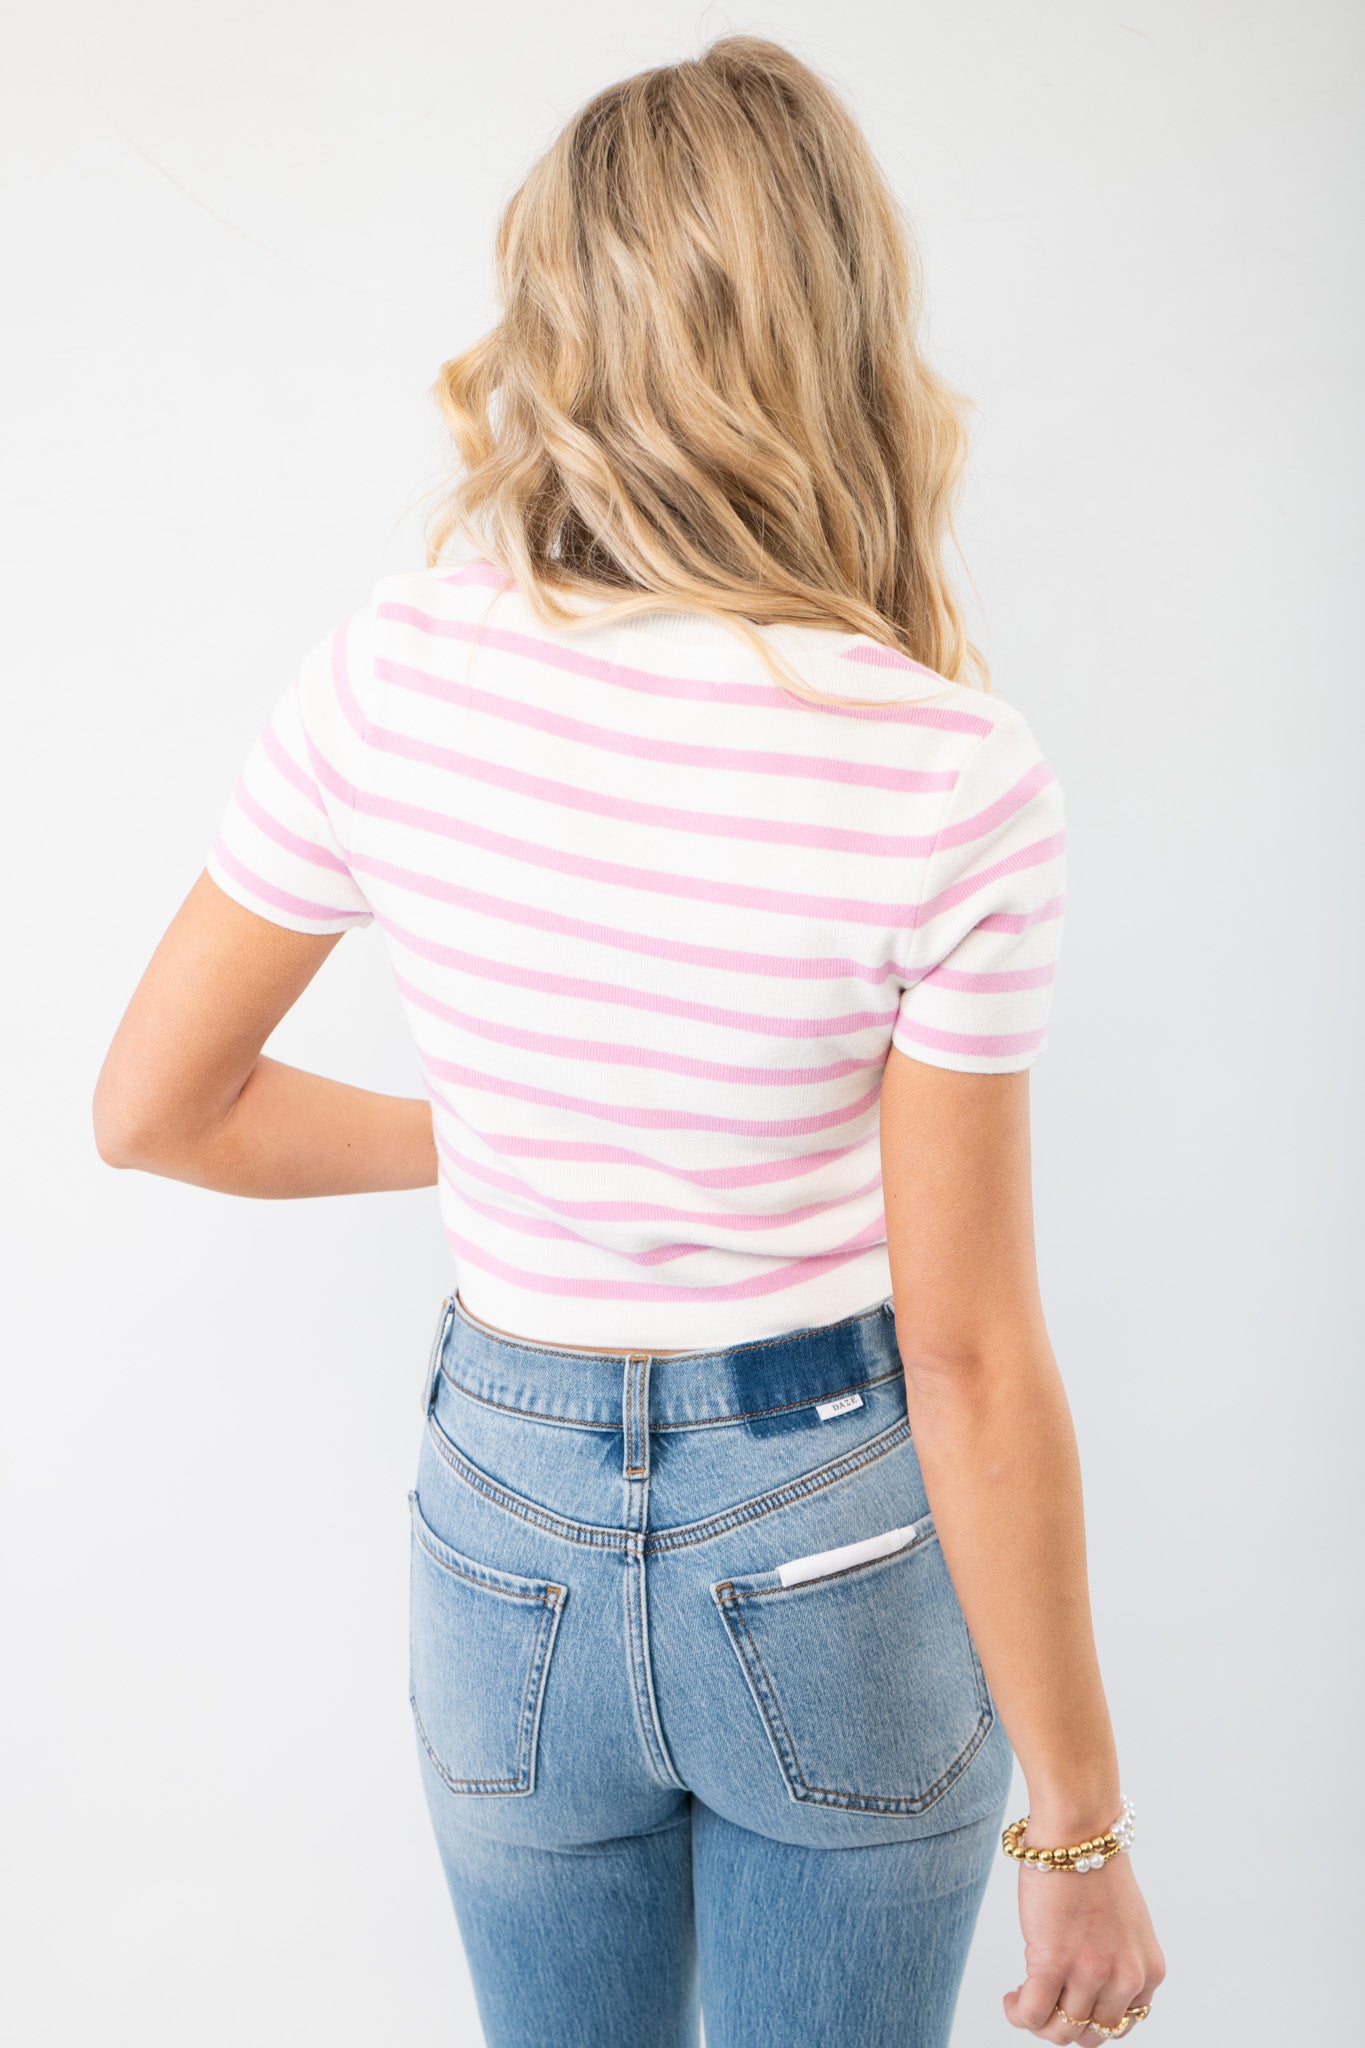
1088	1946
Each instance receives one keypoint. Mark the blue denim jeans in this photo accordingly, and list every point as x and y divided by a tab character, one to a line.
677	1755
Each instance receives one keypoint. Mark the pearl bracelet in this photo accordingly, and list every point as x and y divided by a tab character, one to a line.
1082	1855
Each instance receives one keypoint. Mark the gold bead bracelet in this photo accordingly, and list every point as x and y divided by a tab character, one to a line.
1080	1856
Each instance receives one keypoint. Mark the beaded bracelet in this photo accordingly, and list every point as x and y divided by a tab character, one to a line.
1082	1855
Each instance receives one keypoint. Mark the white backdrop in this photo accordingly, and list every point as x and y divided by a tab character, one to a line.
238	242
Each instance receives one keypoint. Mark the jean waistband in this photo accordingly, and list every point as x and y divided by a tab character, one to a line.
594	1390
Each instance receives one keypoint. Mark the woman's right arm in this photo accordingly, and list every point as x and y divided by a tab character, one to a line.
998	1452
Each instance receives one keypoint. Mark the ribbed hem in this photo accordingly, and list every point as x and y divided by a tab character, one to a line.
675	1325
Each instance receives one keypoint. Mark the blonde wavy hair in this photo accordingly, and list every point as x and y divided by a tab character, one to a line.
706	391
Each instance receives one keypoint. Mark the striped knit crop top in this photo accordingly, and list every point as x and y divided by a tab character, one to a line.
655	922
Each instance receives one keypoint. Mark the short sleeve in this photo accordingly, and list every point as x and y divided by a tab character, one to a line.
283	842
978	993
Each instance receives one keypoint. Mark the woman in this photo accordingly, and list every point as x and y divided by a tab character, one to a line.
724	906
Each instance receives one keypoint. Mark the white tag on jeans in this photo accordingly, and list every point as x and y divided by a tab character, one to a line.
822	1562
842	1406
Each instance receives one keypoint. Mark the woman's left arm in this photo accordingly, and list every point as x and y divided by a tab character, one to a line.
186	1091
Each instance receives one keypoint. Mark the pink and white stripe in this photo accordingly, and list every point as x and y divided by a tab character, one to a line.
656	923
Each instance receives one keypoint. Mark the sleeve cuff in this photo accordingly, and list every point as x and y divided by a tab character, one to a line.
278	906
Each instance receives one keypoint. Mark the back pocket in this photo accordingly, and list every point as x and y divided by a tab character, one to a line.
481	1642
865	1674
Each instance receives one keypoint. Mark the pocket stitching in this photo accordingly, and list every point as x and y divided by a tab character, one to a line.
763	1692
485	1575
541	1593
528	1726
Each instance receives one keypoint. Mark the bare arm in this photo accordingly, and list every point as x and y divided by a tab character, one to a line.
993	1430
186	1091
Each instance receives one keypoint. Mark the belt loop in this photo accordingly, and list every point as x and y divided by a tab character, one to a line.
438	1345
635	1419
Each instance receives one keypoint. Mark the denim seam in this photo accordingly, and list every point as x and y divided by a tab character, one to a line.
823	1795
437	1352
704	1422
634	1663
533	1693
598	1537
643	1691
636	1516
594	1536
683	1537
545	1593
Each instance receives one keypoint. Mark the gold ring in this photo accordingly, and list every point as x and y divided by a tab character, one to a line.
1134	2012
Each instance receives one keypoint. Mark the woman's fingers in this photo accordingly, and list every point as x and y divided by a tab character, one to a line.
1081	1994
1059	2029
1032	2005
1124	1988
